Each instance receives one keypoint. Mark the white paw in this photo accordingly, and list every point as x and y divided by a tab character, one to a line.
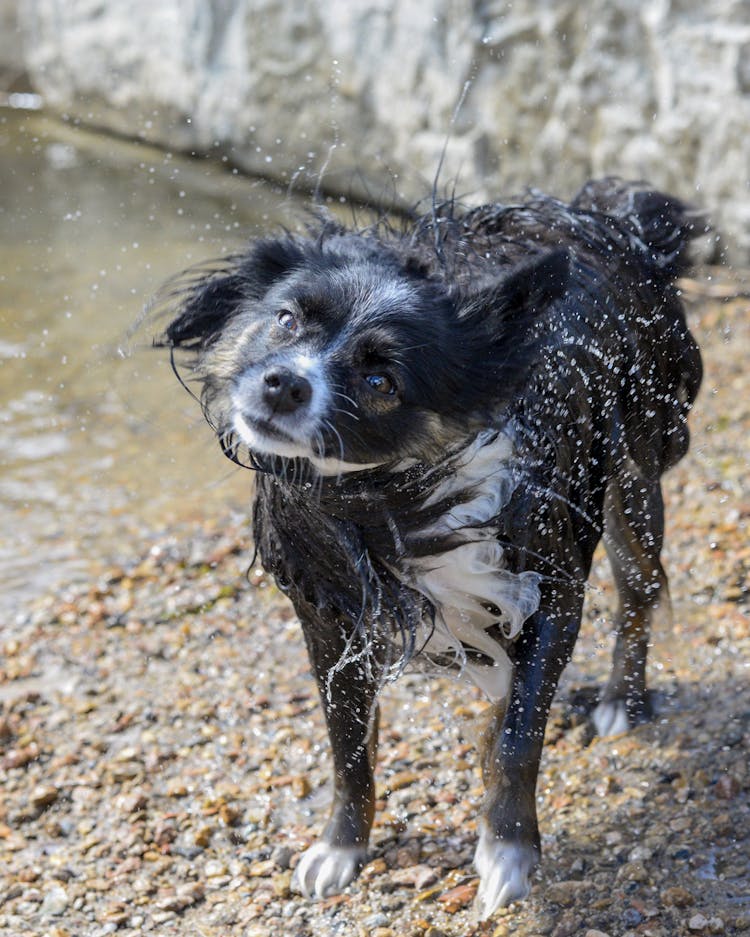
611	718
504	869
326	870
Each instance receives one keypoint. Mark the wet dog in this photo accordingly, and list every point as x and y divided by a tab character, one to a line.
445	418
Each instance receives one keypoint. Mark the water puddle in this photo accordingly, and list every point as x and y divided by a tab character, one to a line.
96	448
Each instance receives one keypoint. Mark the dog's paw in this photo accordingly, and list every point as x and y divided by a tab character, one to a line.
326	870
615	716
504	872
611	717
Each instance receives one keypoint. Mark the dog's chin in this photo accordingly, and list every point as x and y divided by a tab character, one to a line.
266	439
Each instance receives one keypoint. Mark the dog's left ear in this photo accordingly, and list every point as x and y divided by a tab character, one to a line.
538	282
521	296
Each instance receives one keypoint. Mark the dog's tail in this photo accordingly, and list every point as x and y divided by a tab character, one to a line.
660	227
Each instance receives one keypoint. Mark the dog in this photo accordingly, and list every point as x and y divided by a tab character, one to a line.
445	417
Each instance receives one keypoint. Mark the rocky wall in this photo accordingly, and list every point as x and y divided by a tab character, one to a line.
362	93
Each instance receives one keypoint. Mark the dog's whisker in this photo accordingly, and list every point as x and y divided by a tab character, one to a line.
346	413
351	400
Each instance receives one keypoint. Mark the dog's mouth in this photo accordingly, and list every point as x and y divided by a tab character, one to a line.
266	437
265	428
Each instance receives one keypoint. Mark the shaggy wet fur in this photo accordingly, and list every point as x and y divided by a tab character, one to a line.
445	419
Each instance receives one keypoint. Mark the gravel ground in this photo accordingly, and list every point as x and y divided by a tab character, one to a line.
164	760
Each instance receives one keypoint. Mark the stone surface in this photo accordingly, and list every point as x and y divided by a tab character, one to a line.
361	93
12	67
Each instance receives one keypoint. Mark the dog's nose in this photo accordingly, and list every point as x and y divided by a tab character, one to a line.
284	391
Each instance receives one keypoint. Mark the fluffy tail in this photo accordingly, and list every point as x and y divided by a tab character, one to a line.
661	225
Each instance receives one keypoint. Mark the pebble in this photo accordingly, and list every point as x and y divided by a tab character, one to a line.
417	876
43	796
55	902
565	893
632	917
282	856
458	897
677	896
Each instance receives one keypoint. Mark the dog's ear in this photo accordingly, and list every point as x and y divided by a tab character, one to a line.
204	311
267	261
499	323
210	302
519	298
536	283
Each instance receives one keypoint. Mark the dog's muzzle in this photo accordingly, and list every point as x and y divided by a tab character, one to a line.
284	391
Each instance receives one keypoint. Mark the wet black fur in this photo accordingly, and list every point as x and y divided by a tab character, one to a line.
560	320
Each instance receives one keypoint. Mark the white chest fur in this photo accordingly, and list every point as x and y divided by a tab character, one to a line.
469	585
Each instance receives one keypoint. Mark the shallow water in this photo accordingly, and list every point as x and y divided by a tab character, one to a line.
96	448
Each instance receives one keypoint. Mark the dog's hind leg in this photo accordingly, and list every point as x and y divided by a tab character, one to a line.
509	848
348	693
633	537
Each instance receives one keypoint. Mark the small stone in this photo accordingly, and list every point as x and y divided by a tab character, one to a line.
677	897
716	925
564	893
417	876
568	926
193	893
595	933
376	867
301	786
697	922
727	787
459	897
55	902
203	836
400	780
43	796
214	869
262	869
408	855
633	872
229	815
282	857
282	884
632	917
640	853
171	903
429	893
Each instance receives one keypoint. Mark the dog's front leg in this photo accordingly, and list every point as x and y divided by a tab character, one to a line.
348	692
509	848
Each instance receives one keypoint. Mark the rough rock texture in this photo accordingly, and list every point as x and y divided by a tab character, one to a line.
363	91
12	66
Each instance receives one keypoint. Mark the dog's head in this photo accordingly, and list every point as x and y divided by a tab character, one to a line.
345	352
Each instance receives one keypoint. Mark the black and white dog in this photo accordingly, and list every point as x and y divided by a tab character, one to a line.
445	419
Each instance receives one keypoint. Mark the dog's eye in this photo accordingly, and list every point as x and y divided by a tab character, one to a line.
287	320
381	383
